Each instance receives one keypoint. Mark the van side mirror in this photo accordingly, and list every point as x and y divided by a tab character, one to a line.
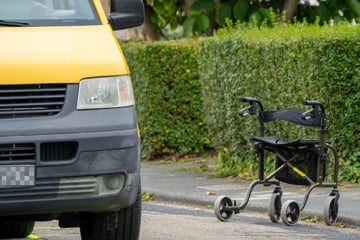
126	14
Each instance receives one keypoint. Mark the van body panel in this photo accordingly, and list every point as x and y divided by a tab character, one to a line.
35	55
101	11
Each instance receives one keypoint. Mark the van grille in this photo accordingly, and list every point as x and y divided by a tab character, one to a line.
19	101
18	151
58	151
53	188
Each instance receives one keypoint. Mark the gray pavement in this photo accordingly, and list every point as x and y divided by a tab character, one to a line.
170	184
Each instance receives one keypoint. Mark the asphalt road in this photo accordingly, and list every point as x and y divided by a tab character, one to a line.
162	221
165	222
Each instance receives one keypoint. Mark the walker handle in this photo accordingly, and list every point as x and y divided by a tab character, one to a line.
247	99
252	101
311	103
314	104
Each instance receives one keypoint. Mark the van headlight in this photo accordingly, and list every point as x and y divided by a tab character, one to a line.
105	92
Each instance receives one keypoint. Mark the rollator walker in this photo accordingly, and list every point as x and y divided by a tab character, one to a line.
299	162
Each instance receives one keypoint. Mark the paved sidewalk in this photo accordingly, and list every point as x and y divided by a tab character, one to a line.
168	184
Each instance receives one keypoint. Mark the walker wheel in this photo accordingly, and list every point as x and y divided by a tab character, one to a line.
275	207
331	209
220	205
290	212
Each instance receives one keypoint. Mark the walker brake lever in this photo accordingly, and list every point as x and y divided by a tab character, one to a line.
243	113
308	114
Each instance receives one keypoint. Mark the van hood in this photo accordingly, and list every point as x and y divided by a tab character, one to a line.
34	55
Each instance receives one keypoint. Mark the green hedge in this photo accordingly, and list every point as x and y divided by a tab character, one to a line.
281	67
187	92
168	98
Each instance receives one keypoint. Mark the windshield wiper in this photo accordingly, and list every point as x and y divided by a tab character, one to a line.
13	23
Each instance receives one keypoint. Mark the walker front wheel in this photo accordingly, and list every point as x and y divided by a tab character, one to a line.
331	209
220	205
290	212
275	207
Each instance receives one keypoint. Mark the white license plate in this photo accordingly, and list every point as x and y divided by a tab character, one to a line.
17	175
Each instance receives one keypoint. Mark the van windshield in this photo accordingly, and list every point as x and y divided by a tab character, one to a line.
47	13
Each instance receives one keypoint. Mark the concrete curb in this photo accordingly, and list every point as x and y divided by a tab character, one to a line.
251	207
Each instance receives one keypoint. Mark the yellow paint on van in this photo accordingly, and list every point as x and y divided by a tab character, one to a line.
34	55
100	10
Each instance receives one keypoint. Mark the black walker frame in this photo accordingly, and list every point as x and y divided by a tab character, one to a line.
312	153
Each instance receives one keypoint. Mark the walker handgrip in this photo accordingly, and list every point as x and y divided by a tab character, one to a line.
314	104
311	102
247	99
252	101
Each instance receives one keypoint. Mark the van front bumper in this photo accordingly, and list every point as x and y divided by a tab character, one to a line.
81	161
101	178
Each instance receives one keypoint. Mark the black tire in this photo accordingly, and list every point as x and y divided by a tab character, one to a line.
15	229
331	209
290	212
220	208
122	225
275	207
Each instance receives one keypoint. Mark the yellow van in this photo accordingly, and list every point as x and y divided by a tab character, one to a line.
69	142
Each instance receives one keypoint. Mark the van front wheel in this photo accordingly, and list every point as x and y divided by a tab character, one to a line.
15	229
122	225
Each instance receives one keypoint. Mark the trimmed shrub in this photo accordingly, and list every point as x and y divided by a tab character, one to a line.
281	67
188	91
168	98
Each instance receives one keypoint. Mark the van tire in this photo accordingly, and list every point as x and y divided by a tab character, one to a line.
15	229
121	225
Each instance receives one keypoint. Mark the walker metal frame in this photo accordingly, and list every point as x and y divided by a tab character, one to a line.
288	154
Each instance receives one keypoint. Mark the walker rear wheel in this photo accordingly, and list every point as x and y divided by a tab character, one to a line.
331	209
220	208
290	212
275	207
